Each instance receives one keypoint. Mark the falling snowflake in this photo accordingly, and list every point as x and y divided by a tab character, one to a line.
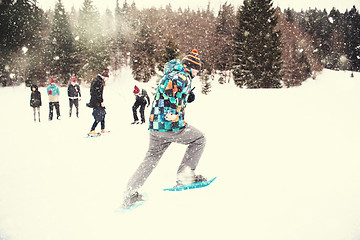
24	49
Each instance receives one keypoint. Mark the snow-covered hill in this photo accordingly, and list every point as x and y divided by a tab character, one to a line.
287	163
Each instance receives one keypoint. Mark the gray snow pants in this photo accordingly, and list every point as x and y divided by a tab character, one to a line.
159	142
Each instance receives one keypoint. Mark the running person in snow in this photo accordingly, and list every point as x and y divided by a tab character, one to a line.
97	102
167	125
142	100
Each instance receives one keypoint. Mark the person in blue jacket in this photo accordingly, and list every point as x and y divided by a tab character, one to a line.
167	125
53	93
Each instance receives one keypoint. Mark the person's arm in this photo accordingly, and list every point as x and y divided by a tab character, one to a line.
173	90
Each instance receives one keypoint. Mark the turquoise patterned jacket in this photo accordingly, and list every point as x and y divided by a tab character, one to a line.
171	96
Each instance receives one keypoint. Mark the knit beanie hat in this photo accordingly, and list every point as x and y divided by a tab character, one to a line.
105	73
136	90
192	60
52	80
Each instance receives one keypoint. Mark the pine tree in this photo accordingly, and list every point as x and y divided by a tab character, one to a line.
38	56
353	38
337	58
225	24
170	52
143	56
91	48
257	50
62	47
20	23
298	58
205	82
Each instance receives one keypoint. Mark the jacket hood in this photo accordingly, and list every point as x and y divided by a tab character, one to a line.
173	65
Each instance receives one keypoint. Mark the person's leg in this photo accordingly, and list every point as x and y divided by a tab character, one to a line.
93	127
57	106
196	143
157	147
39	112
76	103
70	106
95	114
142	112
103	124
51	108
34	108
134	109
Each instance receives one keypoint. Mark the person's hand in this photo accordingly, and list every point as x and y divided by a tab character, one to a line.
102	104
170	117
191	97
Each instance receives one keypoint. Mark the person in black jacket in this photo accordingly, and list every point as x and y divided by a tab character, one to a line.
35	100
74	95
142	100
97	102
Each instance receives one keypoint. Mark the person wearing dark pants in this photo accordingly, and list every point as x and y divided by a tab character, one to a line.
99	116
74	95
142	100
35	100
97	102
53	105
53	93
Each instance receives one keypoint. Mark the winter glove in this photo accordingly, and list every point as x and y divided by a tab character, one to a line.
191	97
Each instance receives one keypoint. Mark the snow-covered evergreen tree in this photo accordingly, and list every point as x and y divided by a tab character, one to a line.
92	44
299	60
143	56
353	37
170	52
257	52
62	49
20	23
225	25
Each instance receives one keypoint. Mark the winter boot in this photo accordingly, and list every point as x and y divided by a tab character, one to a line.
135	122
131	199
104	131
93	134
188	176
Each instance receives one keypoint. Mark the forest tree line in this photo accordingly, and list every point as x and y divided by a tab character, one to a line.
258	45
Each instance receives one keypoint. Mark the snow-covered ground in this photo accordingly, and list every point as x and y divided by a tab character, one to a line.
287	163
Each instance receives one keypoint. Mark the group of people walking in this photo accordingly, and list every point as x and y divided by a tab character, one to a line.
166	121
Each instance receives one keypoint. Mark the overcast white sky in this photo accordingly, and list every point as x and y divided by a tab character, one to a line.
102	5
